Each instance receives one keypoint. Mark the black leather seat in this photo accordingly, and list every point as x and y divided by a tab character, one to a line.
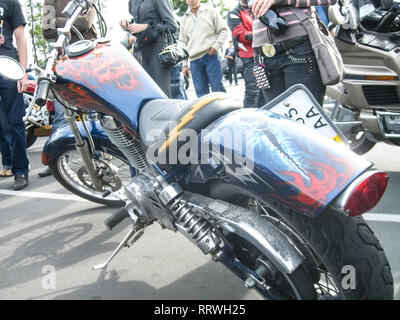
167	118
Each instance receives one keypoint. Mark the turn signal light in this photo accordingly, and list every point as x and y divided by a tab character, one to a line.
382	78
367	194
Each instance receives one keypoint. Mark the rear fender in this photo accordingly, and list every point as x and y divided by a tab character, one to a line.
274	158
63	140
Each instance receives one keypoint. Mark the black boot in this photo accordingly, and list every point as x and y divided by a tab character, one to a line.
20	182
45	173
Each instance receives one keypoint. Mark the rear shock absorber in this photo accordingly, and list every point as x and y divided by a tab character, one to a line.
194	227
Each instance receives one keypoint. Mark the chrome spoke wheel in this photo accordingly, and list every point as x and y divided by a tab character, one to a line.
324	282
114	173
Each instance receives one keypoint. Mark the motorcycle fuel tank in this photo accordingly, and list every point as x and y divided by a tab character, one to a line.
106	78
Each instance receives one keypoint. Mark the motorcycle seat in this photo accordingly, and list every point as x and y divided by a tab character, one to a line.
162	121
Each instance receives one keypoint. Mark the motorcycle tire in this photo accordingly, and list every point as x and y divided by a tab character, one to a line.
68	170
336	248
30	137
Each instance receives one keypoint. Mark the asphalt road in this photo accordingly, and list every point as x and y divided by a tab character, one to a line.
44	228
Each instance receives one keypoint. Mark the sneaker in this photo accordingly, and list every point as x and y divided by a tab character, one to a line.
6	173
20	182
45	173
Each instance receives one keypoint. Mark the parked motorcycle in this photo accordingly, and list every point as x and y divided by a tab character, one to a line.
284	215
66	163
366	104
37	119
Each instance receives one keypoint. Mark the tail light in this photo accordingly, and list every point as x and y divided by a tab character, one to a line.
363	194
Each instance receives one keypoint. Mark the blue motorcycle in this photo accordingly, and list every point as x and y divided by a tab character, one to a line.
277	203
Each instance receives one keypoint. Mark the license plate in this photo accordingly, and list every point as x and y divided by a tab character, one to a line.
298	104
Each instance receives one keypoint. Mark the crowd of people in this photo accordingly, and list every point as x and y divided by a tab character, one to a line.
202	32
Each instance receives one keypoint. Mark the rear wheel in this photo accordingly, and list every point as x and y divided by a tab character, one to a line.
277	285
343	258
69	171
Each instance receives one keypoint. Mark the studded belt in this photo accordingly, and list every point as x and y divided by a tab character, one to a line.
270	50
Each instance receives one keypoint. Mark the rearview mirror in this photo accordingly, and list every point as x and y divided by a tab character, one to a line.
346	16
11	69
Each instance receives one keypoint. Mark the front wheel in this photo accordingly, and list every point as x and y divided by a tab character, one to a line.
115	173
343	258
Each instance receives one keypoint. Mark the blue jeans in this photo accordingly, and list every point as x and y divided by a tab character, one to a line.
294	66
12	129
58	119
206	73
178	83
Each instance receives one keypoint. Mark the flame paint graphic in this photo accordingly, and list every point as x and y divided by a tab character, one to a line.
314	189
79	97
99	67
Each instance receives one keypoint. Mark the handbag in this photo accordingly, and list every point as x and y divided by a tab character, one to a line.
172	53
328	57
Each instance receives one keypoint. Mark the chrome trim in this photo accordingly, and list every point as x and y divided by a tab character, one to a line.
339	203
277	247
379	116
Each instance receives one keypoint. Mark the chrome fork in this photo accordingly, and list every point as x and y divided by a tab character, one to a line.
83	148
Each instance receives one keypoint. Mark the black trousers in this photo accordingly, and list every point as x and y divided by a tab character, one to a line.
253	97
232	71
151	63
297	65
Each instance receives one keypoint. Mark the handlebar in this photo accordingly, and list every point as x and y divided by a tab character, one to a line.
47	76
42	92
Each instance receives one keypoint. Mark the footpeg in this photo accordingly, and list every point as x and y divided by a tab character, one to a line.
116	218
124	243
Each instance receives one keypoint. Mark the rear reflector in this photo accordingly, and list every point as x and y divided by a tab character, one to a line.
367	194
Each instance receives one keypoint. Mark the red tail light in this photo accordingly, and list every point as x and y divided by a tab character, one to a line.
366	194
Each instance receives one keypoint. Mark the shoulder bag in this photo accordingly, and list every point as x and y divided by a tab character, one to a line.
328	57
172	53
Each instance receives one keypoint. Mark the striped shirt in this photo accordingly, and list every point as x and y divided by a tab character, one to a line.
261	34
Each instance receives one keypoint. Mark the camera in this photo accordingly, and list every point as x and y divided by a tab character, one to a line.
273	21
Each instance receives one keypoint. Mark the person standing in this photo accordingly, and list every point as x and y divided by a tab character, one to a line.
53	19
230	56
178	90
203	32
151	20
240	22
12	108
288	56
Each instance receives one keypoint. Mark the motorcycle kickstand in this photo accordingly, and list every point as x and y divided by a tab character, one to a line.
124	243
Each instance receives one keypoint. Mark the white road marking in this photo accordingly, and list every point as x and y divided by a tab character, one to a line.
41	195
382	217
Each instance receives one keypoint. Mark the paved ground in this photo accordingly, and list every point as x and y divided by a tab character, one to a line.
45	228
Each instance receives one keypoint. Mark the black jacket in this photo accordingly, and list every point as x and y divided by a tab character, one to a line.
157	14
